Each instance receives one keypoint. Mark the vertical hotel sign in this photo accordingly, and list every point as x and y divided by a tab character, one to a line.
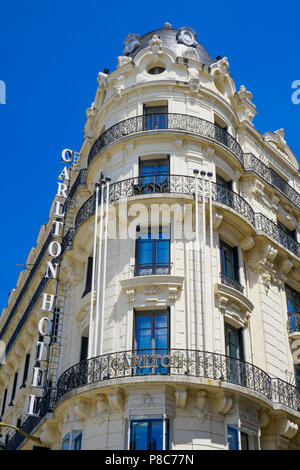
45	325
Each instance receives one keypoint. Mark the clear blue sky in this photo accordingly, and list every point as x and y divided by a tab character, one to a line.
51	53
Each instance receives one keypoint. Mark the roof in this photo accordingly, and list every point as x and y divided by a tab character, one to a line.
178	40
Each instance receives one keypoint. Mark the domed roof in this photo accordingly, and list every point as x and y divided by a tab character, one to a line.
181	41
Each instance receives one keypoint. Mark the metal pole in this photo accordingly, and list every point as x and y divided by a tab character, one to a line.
91	326
196	172
96	331
203	173
104	268
209	174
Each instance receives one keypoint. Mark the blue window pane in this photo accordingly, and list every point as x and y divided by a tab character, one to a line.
139	435
156	439
143	339
76	440
144	322
233	438
162	251
145	252
161	321
66	442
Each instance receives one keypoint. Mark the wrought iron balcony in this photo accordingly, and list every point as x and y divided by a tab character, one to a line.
293	322
171	121
152	269
262	223
270	176
231	282
178	362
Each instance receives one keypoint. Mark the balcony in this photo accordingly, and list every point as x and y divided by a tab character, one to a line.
177	362
160	122
152	269
293	325
253	164
229	281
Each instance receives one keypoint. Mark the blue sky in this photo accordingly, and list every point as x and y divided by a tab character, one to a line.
51	53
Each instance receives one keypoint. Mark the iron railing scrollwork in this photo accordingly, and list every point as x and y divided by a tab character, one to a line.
262	223
169	121
148	269
178	362
253	164
231	282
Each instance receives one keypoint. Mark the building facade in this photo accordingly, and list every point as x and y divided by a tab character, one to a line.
161	308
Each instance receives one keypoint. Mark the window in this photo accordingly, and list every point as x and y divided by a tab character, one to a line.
152	253
154	176
156	70
233	438
293	307
234	351
84	348
25	373
151	333
4	402
222	182
149	434
155	117
230	266
297	375
72	441
241	439
88	280
13	393
286	231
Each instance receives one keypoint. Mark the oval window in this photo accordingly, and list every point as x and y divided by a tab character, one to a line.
156	70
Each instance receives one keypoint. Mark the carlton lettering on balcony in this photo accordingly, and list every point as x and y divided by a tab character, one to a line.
147	361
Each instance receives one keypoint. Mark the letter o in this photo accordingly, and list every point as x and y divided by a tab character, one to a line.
67	152
58	249
45	331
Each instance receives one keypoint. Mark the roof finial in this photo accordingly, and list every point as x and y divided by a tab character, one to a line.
167	26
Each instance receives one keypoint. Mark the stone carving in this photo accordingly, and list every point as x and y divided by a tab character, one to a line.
173	293
200	409
131	43
147	400
181	398
217	220
101	79
152	290
186	35
118	88
287	428
123	60
223	403
115	400
264	419
131	295
101	407
155	45
247	243
50	434
82	409
219	69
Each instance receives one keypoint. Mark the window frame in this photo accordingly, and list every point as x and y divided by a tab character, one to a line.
153	264
150	420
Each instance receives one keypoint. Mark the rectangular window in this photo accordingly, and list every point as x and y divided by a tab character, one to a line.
4	402
230	266
148	434
234	351
26	368
13	393
293	307
155	117
153	176
151	339
88	280
153	253
233	438
222	182
72	441
84	348
286	230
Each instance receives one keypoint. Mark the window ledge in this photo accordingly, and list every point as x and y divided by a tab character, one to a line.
235	306
152	290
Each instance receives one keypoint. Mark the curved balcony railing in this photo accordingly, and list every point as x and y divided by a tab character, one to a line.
181	184
178	362
171	121
229	281
293	323
253	164
171	184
